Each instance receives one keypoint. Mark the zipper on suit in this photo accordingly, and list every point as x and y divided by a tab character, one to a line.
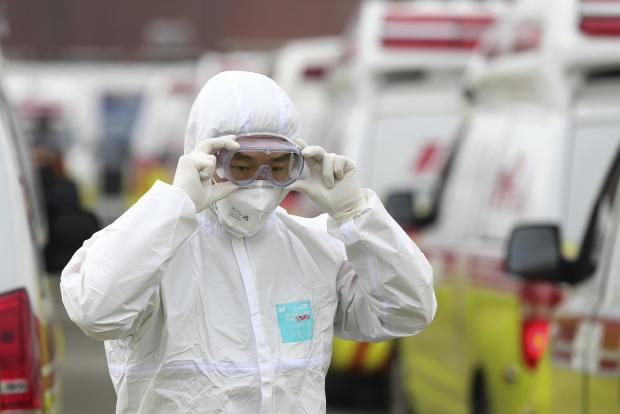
263	349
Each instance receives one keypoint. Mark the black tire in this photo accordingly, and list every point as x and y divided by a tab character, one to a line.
398	402
480	403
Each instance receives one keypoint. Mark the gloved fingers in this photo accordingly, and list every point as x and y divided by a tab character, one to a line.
348	165
301	143
301	186
313	153
339	165
328	170
201	162
212	145
313	156
222	190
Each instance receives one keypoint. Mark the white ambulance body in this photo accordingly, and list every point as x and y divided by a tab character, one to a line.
29	351
301	68
397	94
396	106
585	334
585	341
543	132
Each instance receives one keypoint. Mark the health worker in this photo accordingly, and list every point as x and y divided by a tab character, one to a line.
210	298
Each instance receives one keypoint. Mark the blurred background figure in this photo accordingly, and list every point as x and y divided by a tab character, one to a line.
69	225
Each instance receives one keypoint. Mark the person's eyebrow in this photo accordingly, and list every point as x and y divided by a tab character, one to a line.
243	157
282	157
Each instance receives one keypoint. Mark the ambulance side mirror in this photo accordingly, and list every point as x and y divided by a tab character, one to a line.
400	206
408	210
534	252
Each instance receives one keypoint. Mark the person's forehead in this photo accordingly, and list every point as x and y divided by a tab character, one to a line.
261	156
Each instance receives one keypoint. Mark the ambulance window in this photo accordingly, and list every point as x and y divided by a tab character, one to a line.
36	212
468	183
598	246
594	144
25	176
8	248
614	268
16	255
525	182
604	217
422	141
609	253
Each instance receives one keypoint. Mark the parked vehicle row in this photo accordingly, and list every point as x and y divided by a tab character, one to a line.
542	135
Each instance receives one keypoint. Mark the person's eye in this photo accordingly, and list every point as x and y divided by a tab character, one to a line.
240	167
275	168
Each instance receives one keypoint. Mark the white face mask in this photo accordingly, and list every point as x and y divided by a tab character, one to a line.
246	210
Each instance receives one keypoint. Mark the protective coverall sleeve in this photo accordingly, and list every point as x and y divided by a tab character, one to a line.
385	286
110	286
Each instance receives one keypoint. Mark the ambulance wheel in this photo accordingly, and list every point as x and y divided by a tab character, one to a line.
398	401
480	403
357	391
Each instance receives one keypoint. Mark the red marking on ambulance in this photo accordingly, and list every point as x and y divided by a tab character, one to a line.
428	158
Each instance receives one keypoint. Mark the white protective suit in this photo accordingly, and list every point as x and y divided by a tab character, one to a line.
198	321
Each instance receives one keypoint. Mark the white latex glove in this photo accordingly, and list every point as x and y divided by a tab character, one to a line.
195	170
333	183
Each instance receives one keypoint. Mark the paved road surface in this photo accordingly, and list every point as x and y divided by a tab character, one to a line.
87	387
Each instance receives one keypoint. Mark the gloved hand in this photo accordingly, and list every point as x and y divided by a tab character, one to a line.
333	183
194	172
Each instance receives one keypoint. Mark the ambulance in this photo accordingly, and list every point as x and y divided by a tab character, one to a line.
397	101
396	108
302	67
584	345
540	139
29	335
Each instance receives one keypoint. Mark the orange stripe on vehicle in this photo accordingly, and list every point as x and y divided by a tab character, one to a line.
343	354
47	381
611	336
566	328
48	349
610	345
377	356
360	353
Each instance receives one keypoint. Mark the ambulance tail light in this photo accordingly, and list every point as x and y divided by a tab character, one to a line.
537	302
600	18
20	368
535	336
402	31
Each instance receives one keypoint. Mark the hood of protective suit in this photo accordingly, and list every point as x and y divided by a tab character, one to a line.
238	103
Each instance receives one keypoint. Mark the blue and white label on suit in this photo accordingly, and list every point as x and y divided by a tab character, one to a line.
295	320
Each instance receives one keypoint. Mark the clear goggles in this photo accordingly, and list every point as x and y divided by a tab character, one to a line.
261	157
